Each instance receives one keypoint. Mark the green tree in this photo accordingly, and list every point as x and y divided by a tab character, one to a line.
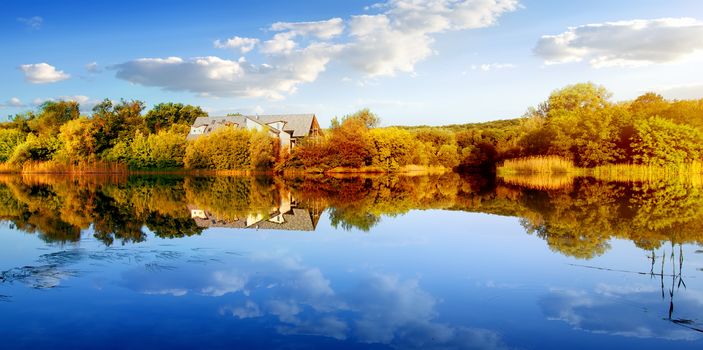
582	122
164	115
116	122
661	142
53	114
77	139
365	115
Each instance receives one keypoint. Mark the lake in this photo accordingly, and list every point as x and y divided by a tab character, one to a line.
416	262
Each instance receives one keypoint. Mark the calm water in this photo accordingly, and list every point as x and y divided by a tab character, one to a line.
422	262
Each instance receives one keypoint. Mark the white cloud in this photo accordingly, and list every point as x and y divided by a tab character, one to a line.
682	92
281	43
396	40
377	48
214	76
93	67
34	22
13	102
321	29
486	67
442	15
624	43
244	45
42	73
383	44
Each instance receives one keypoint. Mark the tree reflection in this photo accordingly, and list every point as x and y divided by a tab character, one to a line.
577	219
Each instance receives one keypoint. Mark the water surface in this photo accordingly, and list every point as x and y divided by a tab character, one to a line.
421	262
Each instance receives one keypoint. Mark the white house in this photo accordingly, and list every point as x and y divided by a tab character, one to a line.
288	128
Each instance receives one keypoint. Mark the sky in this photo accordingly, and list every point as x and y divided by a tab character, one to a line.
412	62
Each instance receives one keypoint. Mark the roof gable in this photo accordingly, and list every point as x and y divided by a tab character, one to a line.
298	125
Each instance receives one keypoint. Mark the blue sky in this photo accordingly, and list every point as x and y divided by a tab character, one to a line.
410	61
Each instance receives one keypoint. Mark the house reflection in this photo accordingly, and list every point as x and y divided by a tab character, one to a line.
289	214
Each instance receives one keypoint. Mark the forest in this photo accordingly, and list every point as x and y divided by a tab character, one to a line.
579	124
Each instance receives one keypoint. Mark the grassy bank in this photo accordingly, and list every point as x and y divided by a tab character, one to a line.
549	172
98	167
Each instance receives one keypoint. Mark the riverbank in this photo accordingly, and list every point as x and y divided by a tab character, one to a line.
97	167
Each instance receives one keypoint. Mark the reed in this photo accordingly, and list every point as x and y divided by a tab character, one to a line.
540	181
538	165
88	167
6	168
684	173
551	172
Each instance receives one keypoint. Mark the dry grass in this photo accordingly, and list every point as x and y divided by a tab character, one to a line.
6	168
52	167
538	165
552	172
685	173
540	181
406	169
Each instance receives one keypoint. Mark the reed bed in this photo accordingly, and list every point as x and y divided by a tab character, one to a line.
552	172
93	167
691	173
540	181
538	165
6	168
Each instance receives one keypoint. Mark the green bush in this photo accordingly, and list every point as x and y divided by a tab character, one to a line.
9	140
223	149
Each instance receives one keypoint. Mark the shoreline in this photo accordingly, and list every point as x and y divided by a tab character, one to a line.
338	171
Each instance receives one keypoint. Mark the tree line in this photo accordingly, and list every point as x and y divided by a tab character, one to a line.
579	122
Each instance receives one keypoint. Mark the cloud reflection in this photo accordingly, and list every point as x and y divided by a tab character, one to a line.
298	299
623	310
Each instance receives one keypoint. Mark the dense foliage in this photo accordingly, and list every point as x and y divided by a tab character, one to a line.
121	133
579	123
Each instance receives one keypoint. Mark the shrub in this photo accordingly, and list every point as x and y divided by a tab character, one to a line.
658	141
225	149
9	140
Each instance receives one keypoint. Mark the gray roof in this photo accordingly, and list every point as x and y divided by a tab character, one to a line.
297	124
297	219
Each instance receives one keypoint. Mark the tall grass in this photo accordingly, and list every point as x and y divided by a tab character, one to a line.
549	172
538	165
684	173
6	168
89	167
540	181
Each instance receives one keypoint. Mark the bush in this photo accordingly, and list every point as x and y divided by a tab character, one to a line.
35	148
9	140
224	149
658	141
263	150
392	148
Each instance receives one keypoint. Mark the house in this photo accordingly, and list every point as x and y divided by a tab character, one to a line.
288	128
286	215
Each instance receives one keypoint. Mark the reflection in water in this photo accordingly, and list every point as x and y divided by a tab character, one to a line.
293	298
576	220
274	290
632	310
